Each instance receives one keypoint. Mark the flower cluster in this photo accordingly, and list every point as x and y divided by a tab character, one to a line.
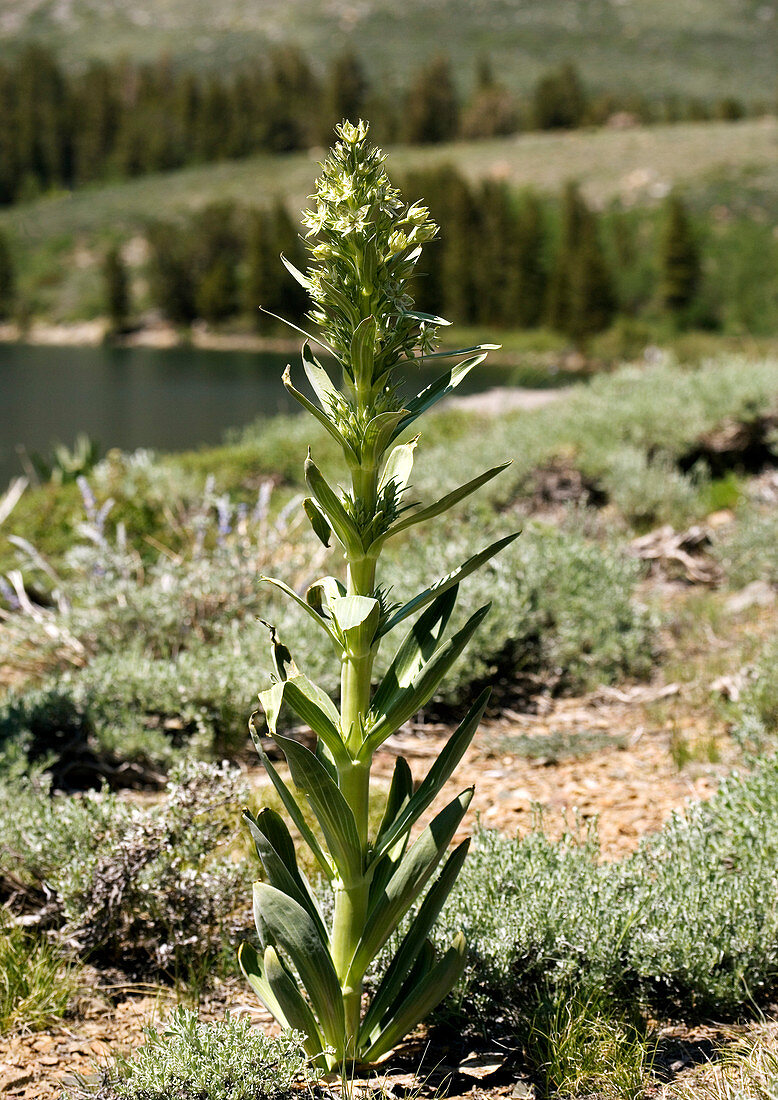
364	243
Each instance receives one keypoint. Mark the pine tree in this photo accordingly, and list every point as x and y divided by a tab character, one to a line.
461	225
427	286
491	261
117	289
492	110
43	111
526	275
581	299
9	161
558	304
7	279
294	102
171	275
291	299
559	99
217	292
217	250
97	110
263	275
592	297
432	112
679	259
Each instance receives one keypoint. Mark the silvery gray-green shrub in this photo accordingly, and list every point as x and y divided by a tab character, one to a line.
364	243
189	1059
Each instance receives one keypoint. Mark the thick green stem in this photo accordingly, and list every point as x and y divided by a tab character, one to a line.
351	898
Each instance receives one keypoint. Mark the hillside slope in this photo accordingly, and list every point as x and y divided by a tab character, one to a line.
706	48
636	166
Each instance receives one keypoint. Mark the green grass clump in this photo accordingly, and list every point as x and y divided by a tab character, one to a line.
193	1060
579	1046
36	982
745	1068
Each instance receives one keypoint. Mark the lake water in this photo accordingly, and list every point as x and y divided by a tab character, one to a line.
169	400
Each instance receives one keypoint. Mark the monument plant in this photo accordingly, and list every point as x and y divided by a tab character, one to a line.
364	244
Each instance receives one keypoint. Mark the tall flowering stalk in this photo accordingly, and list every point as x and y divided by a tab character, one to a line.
364	244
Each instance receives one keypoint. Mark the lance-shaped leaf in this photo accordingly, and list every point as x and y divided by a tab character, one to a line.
304	604
324	419
275	849
318	521
417	646
448	581
254	972
281	922
283	662
413	942
318	711
336	297
290	802
295	272
438	389
307	335
387	906
321	594
401	788
398	468
333	813
430	318
295	1008
363	352
332	506
378	435
437	509
422	997
436	778
408	700
356	618
324	756
322	385
458	351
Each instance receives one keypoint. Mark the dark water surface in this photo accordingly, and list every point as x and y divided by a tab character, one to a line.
168	400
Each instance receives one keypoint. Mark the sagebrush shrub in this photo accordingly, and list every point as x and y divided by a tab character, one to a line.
188	1059
143	887
686	925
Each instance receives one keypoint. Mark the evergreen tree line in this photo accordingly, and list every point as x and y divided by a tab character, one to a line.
221	263
515	261
504	259
121	119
